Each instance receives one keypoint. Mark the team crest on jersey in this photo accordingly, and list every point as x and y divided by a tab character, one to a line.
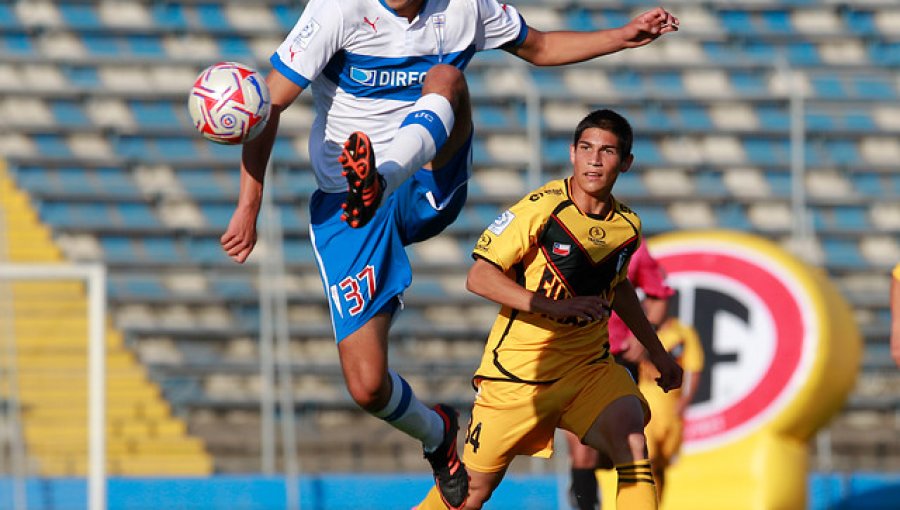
502	221
597	235
301	42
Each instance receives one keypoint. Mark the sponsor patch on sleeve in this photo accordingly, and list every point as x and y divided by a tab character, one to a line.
305	35
502	221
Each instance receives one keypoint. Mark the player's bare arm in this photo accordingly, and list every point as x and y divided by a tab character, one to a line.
239	238
567	47
489	282
628	306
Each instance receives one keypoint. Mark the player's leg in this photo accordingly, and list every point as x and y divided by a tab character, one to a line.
619	431
432	133
583	492
438	124
386	395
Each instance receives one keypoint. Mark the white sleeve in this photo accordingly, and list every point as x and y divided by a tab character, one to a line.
315	38
500	24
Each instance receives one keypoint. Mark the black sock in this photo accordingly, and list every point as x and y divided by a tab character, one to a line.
584	489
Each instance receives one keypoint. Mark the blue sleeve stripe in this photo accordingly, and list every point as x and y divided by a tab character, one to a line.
405	398
288	73
431	122
523	32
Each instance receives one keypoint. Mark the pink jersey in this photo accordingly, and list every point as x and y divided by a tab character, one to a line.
646	274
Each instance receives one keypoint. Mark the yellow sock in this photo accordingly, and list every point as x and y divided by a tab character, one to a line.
636	490
432	501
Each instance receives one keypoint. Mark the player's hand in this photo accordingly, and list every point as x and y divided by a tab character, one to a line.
647	27
589	308
670	373
239	238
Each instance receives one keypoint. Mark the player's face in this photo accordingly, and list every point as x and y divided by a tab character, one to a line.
597	162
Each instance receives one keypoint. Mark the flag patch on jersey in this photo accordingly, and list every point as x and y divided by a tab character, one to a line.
561	249
502	221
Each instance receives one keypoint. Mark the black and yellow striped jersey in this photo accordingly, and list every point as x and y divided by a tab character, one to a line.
548	245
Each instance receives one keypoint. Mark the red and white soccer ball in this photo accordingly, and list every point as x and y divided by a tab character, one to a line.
229	103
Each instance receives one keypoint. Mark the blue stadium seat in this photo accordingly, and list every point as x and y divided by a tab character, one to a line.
169	15
774	117
860	22
738	22
137	215
851	218
767	151
145	45
869	185
842	253
8	19
749	83
118	249
205	250
156	113
692	116
203	183
630	184
885	53
69	113
79	16
136	286
217	215
829	87
776	22
874	87
234	47
51	145
654	218
232	287
667	83
162	250
64	214
779	183
645	151
81	76
102	44
114	182
708	185
212	17
732	216
175	148
803	54
286	15
579	19
17	43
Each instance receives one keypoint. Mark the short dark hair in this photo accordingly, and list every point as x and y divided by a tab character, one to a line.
611	121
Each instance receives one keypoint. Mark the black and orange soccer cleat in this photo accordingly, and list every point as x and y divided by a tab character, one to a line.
365	186
450	474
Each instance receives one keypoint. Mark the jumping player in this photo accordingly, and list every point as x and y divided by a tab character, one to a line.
387	84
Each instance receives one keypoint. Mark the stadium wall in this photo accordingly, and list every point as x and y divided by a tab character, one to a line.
832	491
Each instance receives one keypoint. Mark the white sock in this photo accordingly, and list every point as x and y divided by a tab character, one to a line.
421	135
407	413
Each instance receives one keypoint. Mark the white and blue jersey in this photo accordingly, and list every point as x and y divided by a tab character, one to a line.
366	64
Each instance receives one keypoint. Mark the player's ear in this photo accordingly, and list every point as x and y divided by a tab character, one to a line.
572	154
626	164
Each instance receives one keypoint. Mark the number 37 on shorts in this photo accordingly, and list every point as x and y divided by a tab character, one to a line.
356	289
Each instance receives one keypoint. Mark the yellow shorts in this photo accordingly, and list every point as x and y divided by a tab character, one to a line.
510	419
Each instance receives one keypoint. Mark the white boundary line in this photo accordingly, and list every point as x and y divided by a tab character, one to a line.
95	276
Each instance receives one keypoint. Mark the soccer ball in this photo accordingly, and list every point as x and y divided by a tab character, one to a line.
229	103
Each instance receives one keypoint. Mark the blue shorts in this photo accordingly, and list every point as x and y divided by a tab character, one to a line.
365	270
